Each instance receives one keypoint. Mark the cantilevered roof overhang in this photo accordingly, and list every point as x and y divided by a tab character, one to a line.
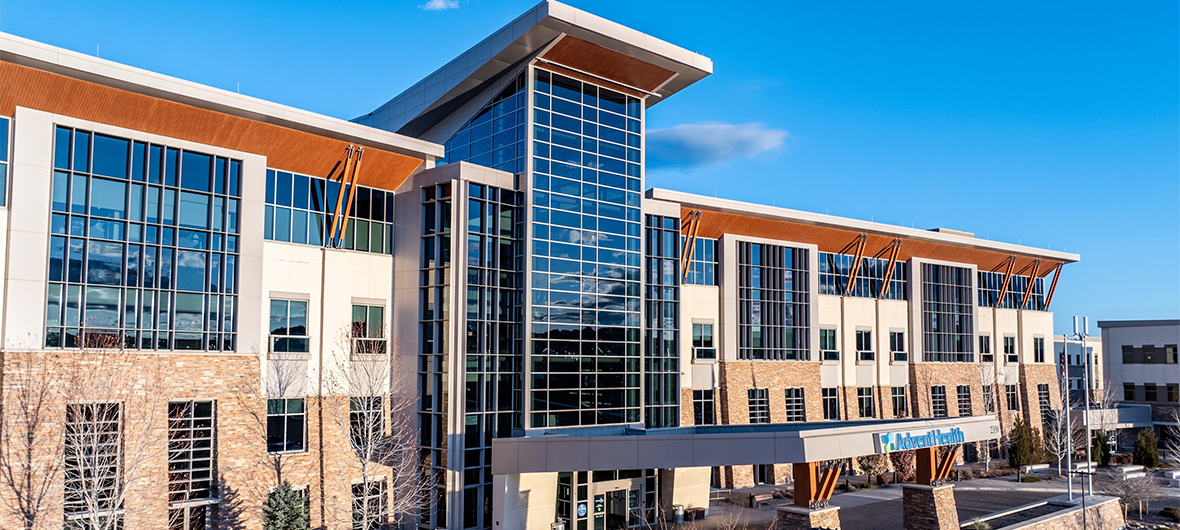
559	36
607	448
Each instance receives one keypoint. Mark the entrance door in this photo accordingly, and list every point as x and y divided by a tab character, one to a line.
616	509
762	474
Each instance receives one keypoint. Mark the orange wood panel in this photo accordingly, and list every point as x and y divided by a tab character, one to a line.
285	148
600	61
926	458
830	239
806	482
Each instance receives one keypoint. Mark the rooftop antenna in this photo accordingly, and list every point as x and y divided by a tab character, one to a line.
97	50
239	87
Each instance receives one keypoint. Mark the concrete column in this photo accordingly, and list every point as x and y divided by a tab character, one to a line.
527	501
928	507
686	486
800	518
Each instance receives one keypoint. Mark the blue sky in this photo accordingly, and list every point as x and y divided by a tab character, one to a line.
1051	125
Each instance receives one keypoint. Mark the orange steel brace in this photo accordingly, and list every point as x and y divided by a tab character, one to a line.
860	254
1007	278
1032	281
827	485
884	290
340	198
356	168
944	469
1053	286
694	225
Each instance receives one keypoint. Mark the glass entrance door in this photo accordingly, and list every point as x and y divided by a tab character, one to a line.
616	509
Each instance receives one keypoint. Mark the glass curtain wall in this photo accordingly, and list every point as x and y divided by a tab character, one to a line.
434	321
990	284
948	315
299	209
774	320
662	332
834	270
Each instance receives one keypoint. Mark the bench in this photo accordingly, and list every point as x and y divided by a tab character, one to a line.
1034	467
756	501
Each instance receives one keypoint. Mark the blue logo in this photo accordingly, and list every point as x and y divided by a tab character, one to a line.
897	441
581	509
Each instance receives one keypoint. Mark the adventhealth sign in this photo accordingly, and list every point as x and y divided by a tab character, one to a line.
906	440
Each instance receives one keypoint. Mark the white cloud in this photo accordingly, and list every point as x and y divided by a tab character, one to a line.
692	145
439	5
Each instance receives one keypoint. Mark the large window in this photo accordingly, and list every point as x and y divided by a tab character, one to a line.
366	422
900	402
864	345
368	329
795	406
1038	349
4	149
947	313
495	135
864	402
938	401
661	348
774	317
288	326
1043	399
702	342
703	407
299	209
93	465
835	269
370	505
990	284
286	425
831	402
702	268
897	346
192	471
1010	355
759	405
143	246
827	345
985	348
1013	394
964	395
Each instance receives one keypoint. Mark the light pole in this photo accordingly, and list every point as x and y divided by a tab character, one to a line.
1064	371
1080	336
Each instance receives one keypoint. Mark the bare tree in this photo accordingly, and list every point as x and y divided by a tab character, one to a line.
27	474
1133	492
1170	439
1062	434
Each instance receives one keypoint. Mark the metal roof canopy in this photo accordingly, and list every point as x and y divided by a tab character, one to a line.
609	448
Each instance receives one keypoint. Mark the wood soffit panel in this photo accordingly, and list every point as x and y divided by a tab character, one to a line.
603	62
284	148
828	239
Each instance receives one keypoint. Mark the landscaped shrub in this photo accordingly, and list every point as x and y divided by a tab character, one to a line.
976	524
1146	451
1028	478
1020	449
1171	513
1099	451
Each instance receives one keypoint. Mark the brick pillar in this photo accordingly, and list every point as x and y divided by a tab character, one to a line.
929	507
801	518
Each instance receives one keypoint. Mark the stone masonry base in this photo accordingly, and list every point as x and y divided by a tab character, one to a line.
800	518
929	507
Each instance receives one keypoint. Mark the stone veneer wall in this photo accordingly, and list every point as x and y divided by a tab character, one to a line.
799	518
1032	375
929	507
1103	514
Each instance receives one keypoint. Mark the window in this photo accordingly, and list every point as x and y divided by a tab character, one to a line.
288	326
900	403
795	405
964	395
1149	393
1038	349
774	319
990	284
703	407
143	245
836	269
4	134
1010	355
1170	354
985	348
300	209
1174	393
1149	356
703	265
897	346
93	465
864	345
192	473
286	421
1013	397
370	506
831	402
366	420
1128	391
989	400
1045	402
948	315
702	341
827	345
1128	354
661	324
759	405
938	401
368	329
864	402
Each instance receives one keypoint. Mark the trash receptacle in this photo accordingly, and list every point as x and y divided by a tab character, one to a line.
678	513
560	525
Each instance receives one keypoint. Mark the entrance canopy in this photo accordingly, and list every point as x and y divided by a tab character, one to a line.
608	448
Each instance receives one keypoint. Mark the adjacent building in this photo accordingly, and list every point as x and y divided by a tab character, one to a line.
1141	364
477	259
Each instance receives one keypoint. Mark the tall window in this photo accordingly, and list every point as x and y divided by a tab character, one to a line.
702	341
990	284
864	345
864	402
143	245
299	209
288	326
795	406
192	471
1045	403
897	346
286	424
1129	392
662	323
703	407
989	400
93	469
835	269
938	401
4	161
897	395
985	348
366	421
1013	396
1149	393
773	312
368	329
1010	355
703	265
370	505
1038	349
759	405
964	395
831	402
827	345
948	313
